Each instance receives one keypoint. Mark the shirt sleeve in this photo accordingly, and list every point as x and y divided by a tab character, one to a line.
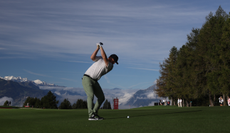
97	58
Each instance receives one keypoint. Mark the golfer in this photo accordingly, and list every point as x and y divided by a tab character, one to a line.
100	67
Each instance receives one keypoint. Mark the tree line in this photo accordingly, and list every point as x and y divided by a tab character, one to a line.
200	70
7	103
49	101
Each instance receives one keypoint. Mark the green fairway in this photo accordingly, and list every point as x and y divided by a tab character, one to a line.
159	119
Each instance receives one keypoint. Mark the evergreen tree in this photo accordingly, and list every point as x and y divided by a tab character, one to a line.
80	104
192	64
49	101
209	45
184	75
65	104
37	103
201	68
224	79
165	84
106	105
221	13
6	103
109	106
33	102
29	100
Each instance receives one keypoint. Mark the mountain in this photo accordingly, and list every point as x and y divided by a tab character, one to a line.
61	92
141	98
19	91
16	79
20	79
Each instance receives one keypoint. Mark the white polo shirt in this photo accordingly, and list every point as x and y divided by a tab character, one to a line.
98	68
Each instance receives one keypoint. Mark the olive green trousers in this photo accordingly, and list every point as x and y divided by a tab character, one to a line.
92	88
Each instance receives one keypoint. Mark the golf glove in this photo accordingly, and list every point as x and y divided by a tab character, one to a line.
99	44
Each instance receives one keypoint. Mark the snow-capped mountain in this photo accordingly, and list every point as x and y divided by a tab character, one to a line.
17	92
128	98
17	79
147	97
20	79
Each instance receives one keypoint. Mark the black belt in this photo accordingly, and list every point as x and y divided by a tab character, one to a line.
89	77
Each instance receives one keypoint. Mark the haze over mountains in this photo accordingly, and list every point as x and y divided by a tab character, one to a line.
17	89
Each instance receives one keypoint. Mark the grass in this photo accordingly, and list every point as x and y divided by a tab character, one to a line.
159	119
9	107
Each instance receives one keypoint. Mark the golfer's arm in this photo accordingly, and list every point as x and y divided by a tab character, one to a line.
104	56
93	56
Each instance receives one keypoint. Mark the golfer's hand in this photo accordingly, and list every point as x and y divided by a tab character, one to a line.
99	44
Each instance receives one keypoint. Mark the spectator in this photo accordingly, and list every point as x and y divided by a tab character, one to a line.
228	101
160	103
221	101
178	102
164	102
168	103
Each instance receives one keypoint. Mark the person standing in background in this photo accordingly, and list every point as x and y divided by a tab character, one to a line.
221	101
228	101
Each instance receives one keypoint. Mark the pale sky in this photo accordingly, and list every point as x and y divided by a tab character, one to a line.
52	40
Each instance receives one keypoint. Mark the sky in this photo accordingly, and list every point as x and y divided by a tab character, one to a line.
52	40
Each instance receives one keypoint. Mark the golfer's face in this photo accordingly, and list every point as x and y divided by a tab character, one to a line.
111	60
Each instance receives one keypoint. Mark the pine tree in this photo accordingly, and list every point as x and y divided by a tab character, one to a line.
200	68
224	79
192	64
6	103
65	104
106	105
80	104
37	103
33	102
166	84
209	46
49	101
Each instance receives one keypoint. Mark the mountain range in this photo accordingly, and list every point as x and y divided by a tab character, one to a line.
17	92
20	79
17	89
145	97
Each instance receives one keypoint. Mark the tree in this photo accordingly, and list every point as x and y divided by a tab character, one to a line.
49	101
165	84
200	68
106	105
33	102
6	103
209	49
224	79
185	72
37	103
192	66
80	104
65	104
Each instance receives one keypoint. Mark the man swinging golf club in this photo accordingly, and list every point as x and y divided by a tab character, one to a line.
100	67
